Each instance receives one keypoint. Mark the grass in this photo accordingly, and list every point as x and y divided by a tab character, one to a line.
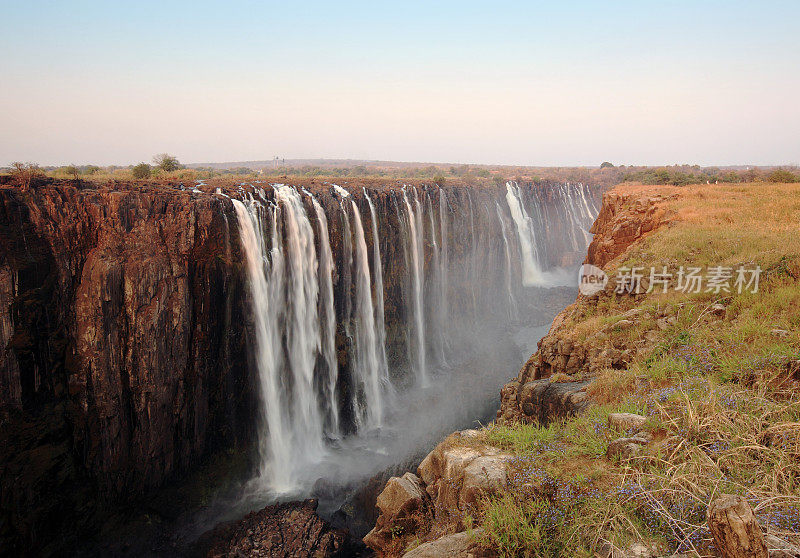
717	388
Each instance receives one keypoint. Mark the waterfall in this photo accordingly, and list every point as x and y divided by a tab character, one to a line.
291	266
512	305
380	322
347	266
302	327
531	269
327	319
473	258
368	399
444	285
435	293
275	444
416	259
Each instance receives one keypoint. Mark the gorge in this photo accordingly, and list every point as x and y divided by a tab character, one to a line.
323	332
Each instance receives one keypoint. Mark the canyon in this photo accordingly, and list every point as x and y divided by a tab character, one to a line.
301	329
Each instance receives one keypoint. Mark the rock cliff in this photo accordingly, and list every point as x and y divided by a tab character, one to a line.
118	365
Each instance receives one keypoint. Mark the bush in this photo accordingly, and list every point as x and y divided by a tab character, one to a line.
142	170
607	165
439	180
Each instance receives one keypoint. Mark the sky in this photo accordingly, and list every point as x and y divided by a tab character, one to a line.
522	83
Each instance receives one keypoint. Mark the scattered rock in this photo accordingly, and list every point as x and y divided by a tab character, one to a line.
718	310
780	333
626	422
458	545
734	528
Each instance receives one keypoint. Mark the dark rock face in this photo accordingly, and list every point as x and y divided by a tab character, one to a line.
118	365
283	530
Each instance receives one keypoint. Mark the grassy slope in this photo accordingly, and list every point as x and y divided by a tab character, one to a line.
718	391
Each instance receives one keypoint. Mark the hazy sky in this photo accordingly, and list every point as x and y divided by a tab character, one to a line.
540	83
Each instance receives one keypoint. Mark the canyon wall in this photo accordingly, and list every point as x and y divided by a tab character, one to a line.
126	328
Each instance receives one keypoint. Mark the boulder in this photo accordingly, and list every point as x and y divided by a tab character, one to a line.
626	422
404	508
458	545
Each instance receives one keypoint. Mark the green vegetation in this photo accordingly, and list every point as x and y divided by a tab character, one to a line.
166	162
683	175
140	171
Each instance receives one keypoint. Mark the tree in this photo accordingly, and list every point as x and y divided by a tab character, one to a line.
166	162
73	171
25	173
782	176
92	169
499	180
439	180
142	170
607	165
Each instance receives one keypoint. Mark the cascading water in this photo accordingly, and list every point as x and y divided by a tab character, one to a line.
512	305
368	404
327	319
380	319
275	442
531	270
414	228
302	332
443	305
305	286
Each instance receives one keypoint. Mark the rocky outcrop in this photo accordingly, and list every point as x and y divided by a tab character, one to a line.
291	529
434	503
628	213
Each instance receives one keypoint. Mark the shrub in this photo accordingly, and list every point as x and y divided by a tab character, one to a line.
439	180
142	170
